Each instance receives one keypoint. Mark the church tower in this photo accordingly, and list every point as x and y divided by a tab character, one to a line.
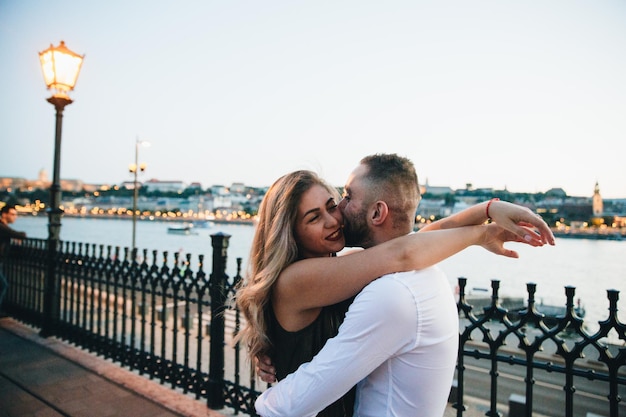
598	208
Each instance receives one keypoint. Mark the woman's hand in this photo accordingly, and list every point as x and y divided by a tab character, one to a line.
528	226
264	369
495	236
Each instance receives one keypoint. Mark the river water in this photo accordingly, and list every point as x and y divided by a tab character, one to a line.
592	266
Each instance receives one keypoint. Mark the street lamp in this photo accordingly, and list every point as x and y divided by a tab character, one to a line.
60	68
134	168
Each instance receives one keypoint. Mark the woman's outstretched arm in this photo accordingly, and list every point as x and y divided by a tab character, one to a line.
317	282
513	217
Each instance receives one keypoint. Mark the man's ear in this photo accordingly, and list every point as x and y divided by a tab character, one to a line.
380	213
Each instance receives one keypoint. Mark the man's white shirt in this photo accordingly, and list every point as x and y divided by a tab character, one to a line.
398	342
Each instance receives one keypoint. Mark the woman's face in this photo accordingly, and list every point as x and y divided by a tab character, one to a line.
319	225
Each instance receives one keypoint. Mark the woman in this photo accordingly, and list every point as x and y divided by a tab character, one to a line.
297	292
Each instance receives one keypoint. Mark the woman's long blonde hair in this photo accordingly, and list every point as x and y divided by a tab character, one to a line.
274	247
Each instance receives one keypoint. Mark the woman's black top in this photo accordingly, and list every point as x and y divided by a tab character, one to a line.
292	349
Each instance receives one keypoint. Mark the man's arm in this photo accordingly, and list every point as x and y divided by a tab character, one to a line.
365	340
7	232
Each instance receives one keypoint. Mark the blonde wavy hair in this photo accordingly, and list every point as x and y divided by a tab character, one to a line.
274	247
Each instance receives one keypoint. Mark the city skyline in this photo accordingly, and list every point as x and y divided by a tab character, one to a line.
524	97
44	178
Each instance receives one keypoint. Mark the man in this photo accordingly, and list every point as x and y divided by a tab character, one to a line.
8	214
399	339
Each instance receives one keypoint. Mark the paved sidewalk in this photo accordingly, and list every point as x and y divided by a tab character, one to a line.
46	377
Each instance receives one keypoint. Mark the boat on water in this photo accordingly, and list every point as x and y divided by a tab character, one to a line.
182	229
202	224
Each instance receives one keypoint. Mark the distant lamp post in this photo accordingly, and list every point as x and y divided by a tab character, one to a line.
135	168
60	71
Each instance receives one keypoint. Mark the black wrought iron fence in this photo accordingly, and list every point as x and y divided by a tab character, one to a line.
163	317
153	313
551	353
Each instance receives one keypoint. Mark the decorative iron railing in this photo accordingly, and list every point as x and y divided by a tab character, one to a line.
164	318
158	315
487	334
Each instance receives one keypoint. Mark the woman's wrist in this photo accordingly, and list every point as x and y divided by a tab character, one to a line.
478	234
489	206
485	234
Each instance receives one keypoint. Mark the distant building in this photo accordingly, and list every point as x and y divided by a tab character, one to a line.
219	190
72	185
195	186
222	201
432	190
27	185
598	207
237	188
436	191
169	203
556	192
96	187
11	184
165	186
130	185
484	190
428	208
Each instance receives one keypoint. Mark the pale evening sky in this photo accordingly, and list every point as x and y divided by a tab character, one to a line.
524	95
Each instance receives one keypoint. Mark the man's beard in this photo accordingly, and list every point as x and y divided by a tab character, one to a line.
355	230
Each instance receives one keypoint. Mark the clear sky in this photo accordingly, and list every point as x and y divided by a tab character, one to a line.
527	95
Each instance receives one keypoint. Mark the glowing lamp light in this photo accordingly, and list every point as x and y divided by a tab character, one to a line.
60	68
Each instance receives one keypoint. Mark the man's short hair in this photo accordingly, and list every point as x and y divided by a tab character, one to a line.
395	171
392	178
6	208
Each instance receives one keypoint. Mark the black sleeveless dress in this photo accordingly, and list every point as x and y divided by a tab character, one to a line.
292	349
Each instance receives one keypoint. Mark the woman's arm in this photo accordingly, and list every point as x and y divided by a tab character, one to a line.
317	282
515	218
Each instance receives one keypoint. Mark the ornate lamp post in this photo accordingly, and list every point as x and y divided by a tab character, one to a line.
134	168
60	70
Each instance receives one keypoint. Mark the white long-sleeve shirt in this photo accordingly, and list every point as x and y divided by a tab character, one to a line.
399	342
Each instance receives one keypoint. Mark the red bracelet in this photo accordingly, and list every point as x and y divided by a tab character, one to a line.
489	204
